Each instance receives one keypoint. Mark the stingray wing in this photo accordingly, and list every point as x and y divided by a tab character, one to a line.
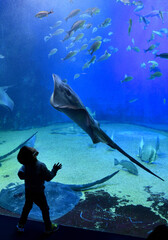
65	100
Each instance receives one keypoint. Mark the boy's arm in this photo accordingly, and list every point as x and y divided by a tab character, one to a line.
21	172
49	175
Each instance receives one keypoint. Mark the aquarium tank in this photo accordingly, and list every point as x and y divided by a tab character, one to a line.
85	83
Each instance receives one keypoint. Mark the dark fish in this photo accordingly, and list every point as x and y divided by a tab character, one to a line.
106	23
95	46
130	26
77	25
127	165
162	55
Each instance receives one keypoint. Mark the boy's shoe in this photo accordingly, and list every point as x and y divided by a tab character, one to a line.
20	228
54	228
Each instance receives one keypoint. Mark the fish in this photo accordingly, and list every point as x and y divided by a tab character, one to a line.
127	165
106	23
133	41
92	11
94	30
77	75
105	56
57	24
86	65
69	55
97	38
136	49
110	33
85	15
156	74
139	8
144	20
158	33
152	37
65	100
67	36
148	153
106	40
125	2
58	32
46	38
95	46
70	46
78	37
130	26
128	48
89	25
84	46
95	11
153	46
162	55
42	14
143	65
92	60
164	100
137	3
113	49
133	100
2	56
52	52
126	78
155	51
77	25
155	13
72	14
164	30
5	100
154	65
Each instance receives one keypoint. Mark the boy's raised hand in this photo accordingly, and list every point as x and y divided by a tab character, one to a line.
57	166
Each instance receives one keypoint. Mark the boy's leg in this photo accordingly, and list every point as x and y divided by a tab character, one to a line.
26	209
41	202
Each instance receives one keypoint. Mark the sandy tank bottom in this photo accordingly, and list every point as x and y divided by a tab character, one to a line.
84	162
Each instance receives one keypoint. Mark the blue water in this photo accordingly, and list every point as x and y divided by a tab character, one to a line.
28	69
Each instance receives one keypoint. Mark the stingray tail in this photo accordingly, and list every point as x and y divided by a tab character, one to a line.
115	146
106	139
83	187
29	141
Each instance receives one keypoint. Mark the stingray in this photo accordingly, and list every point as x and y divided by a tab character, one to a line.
5	100
62	198
65	100
28	142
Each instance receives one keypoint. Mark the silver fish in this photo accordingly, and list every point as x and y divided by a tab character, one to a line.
105	56
72	14
127	165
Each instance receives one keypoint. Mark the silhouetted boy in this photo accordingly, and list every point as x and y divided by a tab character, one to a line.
35	173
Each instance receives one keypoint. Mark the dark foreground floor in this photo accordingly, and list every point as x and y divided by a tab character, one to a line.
34	231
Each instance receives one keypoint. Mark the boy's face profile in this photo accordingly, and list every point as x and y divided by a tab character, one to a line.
27	155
